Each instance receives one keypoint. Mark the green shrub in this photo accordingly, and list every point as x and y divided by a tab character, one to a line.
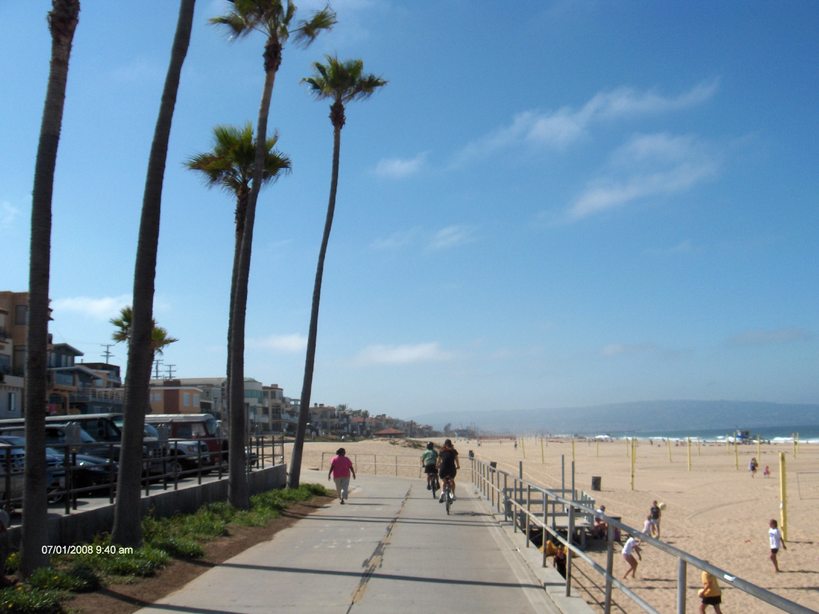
79	577
28	600
178	547
142	562
13	562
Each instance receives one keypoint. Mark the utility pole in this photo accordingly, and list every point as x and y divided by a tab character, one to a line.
157	362
107	354
170	369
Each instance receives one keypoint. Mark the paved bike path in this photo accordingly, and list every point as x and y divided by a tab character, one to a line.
390	548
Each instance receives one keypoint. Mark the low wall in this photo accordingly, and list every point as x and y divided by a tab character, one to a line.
81	526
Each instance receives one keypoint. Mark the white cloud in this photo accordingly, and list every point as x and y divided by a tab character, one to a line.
647	166
620	349
396	240
101	308
445	238
402	354
397	168
8	215
566	125
280	343
683	247
451	236
770	337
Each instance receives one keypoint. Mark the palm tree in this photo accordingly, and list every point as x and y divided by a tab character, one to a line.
273	18
127	530
230	166
159	336
342	83
62	22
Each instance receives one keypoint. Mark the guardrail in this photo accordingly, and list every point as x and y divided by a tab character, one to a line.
381	464
162	468
538	508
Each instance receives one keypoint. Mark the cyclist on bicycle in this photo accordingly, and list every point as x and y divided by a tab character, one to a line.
448	466
428	461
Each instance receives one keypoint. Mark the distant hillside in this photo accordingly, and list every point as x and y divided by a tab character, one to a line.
643	416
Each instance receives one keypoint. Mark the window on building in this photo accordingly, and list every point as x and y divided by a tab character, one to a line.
186	399
21	314
12	402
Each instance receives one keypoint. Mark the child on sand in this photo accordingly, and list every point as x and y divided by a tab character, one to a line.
777	542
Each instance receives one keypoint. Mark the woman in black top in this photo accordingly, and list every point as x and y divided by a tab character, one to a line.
448	464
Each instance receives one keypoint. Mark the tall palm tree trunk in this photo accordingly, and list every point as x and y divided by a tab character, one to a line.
238	490
127	529
312	335
63	20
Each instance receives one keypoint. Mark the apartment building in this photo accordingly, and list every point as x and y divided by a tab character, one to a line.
13	330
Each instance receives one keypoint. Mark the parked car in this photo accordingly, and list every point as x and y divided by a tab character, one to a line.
12	463
180	454
86	470
196	427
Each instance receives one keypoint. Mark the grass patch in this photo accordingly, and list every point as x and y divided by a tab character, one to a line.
31	600
164	539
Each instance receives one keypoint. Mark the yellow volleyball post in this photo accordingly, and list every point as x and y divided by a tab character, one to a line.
597	449
542	460
758	452
633	460
736	453
689	454
668	441
628	446
523	446
572	449
795	444
783	497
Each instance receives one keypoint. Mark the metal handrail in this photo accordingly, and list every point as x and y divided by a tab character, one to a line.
487	479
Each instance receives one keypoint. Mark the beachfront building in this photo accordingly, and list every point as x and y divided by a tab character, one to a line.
174	397
13	325
73	388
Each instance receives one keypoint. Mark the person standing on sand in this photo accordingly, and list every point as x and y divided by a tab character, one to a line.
340	469
654	514
631	547
777	542
710	593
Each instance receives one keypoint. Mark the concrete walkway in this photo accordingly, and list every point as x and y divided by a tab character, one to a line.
391	548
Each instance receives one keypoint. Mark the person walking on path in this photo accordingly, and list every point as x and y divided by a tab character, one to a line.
777	542
340	469
710	593
631	547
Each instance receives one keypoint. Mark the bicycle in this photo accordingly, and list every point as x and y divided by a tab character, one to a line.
434	484
447	494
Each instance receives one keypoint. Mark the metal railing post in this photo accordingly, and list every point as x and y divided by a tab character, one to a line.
505	497
682	577
569	557
609	567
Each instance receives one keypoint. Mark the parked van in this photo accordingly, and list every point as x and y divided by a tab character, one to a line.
193	426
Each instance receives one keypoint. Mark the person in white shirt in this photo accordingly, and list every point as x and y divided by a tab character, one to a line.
777	542
631	547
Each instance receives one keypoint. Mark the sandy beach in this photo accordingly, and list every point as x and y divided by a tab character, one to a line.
713	510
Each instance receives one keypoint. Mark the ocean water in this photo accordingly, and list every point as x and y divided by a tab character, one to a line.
807	434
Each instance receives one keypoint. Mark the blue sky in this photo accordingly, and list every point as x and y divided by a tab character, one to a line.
551	203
